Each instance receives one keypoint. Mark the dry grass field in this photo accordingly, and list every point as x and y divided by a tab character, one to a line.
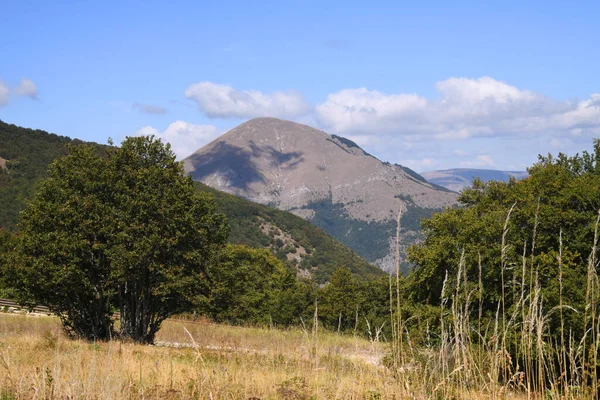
198	360
203	360
191	360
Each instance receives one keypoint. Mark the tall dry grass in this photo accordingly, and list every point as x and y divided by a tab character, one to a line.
515	355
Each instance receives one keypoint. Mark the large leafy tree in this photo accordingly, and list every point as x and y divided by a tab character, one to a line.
125	231
62	262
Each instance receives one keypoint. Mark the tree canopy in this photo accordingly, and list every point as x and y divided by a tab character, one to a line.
121	231
551	213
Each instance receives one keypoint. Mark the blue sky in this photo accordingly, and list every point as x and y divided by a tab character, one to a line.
430	84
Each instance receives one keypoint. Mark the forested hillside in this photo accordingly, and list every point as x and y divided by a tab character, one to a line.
300	244
292	239
26	154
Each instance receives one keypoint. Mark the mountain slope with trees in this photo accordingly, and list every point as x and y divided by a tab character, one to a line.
326	179
299	244
25	155
286	235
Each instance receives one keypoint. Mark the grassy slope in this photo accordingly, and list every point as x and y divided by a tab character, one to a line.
29	152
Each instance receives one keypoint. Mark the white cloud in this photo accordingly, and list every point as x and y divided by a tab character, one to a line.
26	88
362	110
483	160
184	137
4	93
222	101
464	108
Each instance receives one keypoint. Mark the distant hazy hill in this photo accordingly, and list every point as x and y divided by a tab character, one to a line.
25	155
459	178
326	179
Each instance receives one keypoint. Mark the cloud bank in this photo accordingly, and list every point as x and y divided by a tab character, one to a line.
222	101
507	126
465	108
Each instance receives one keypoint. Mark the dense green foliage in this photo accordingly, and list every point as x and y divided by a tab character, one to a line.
7	247
252	286
554	212
347	304
324	254
27	153
124	231
61	259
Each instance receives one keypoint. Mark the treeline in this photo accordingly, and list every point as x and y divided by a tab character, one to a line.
500	227
250	286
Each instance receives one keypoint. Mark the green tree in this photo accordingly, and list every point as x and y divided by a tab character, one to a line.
62	262
339	300
560	198
124	231
251	286
7	244
165	235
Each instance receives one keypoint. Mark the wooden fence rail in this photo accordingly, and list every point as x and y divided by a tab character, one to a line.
11	304
5	303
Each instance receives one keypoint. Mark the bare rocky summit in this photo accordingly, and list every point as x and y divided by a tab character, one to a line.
324	178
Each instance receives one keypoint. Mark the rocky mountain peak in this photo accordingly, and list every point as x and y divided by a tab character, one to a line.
325	178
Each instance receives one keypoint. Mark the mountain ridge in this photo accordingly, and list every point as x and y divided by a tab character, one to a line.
326	179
